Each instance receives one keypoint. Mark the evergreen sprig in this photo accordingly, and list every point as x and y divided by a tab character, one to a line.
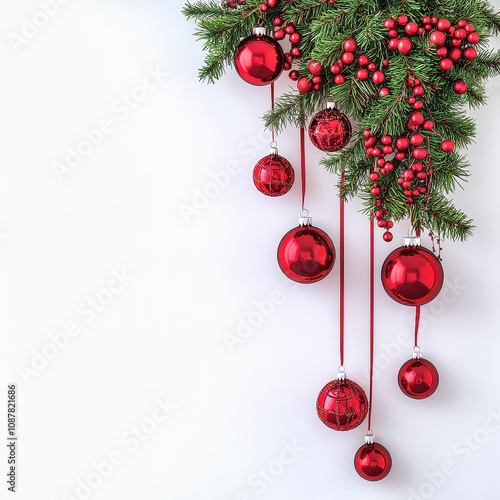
323	27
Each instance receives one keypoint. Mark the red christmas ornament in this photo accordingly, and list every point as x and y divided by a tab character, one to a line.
411	274
259	59
306	254
273	175
372	461
342	404
330	130
418	378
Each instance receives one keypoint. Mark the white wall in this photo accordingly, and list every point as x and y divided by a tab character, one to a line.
189	282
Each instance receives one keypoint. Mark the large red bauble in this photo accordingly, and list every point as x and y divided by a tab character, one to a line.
373	462
412	275
330	130
306	254
259	59
418	378
273	175
342	405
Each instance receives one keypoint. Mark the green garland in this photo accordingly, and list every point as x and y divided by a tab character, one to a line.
449	74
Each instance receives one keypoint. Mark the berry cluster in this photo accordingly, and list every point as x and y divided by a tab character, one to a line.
280	32
231	4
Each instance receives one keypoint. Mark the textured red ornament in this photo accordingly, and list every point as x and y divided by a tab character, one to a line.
306	254
330	130
259	59
418	378
273	175
342	404
412	275
373	462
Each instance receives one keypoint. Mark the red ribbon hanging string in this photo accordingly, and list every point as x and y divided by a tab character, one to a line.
272	108
303	165
342	270
372	315
417	323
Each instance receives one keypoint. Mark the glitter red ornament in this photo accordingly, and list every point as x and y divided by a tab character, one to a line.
418	378
411	274
259	59
329	129
342	404
273	175
306	254
372	461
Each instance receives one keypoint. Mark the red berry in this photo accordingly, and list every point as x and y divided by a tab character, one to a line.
402	143
389	166
387	150
362	74
293	75
384	91
392	44
411	100
460	87
400	155
411	29
469	28
304	85
335	69
455	54
461	23
372	66
418	105
263	7
460	34
279	34
428	125
290	28
367	133
442	52
277	21
386	139
375	191
387	236
380	162
416	118
317	79
473	38
347	57
408	175
419	153
438	38
448	146
339	79
385	63
315	68
446	64
392	34
374	176
389	24
363	60
418	90
470	53
443	24
416	139
272	3
350	45
427	20
296	52
402	20
378	77
295	38
404	45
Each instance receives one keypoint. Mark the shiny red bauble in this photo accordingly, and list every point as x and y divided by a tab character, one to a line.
342	405
330	130
412	275
273	175
306	254
373	462
259	59
418	378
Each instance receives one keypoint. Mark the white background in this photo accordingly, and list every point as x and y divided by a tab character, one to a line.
194	279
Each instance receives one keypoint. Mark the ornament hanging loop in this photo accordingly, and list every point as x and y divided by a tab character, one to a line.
417	352
341	373
370	437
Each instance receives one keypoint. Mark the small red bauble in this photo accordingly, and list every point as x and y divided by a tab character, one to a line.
418	378
405	45
402	143
342	404
389	24
306	254
419	153
473	38
339	79
273	175
411	274
350	45
460	87
259	59
455	54
330	130
447	146
372	461
295	38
